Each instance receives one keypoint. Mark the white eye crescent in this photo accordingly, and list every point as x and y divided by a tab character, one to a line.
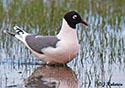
74	16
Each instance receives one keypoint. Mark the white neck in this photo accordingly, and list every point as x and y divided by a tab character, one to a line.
66	31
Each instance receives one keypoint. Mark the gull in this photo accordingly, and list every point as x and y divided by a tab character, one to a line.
58	49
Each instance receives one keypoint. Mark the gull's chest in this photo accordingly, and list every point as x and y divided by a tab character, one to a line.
69	45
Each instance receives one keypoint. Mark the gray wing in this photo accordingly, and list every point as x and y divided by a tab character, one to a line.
37	42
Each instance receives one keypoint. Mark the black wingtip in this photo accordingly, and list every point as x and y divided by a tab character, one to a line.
9	33
18	30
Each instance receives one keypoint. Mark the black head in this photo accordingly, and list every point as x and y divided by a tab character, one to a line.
73	18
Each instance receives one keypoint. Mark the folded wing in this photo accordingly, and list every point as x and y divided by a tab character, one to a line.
37	42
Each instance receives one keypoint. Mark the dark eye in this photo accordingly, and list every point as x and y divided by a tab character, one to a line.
74	16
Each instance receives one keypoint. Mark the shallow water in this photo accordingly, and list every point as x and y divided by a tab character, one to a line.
100	62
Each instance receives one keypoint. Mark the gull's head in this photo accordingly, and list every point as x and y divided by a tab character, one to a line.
73	18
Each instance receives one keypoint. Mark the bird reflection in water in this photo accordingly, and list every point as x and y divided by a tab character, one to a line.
52	77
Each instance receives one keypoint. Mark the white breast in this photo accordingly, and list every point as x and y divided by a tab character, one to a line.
67	47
